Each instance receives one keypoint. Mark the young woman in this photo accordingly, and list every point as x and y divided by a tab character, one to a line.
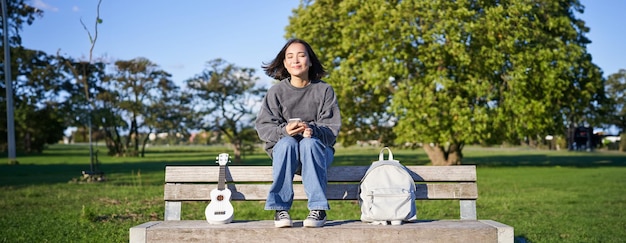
305	145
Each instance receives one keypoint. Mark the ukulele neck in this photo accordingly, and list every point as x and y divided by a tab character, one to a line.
221	183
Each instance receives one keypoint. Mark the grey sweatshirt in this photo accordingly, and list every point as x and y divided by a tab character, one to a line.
316	104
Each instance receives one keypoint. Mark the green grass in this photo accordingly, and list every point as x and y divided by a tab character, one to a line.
547	196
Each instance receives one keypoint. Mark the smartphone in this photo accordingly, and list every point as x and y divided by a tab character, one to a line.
295	120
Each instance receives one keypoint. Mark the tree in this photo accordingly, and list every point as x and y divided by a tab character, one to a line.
135	86
37	89
80	82
84	72
40	105
18	14
448	73
225	96
616	92
170	111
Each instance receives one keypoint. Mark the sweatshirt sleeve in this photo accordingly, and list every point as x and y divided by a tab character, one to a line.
328	123
269	124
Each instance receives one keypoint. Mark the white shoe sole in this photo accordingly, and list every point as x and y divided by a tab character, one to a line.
313	223
283	224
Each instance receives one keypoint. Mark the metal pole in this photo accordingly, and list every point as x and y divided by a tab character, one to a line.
8	83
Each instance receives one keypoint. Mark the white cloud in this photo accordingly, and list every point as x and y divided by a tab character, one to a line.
75	9
40	4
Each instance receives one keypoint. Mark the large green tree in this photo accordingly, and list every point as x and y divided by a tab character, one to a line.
443	74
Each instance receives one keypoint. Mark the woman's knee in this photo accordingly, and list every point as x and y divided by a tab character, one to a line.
308	144
286	142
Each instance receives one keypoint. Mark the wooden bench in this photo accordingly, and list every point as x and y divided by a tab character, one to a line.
194	183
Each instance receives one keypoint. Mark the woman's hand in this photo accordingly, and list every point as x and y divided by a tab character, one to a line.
308	132
295	128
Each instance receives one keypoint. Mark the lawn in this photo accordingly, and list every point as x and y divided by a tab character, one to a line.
547	196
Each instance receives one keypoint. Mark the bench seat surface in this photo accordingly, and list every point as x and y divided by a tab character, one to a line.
333	231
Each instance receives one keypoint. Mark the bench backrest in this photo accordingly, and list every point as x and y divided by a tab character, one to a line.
194	183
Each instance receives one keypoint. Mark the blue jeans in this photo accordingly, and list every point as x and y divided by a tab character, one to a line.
314	157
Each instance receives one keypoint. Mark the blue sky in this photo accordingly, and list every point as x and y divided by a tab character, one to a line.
181	36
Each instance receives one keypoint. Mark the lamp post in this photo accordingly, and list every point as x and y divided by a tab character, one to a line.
8	84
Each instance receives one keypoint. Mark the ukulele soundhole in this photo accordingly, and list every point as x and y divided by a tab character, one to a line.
220	197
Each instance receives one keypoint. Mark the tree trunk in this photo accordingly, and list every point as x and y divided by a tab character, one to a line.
114	142
237	145
435	154
439	156
133	139
27	146
455	154
143	145
136	132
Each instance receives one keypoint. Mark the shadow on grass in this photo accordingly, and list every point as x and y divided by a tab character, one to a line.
62	164
573	160
35	174
486	159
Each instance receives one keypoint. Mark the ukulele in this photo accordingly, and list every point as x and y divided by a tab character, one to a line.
220	210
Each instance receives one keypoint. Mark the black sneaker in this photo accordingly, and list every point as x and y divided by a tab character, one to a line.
282	219
316	218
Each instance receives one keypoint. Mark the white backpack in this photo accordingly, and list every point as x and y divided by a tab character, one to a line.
387	192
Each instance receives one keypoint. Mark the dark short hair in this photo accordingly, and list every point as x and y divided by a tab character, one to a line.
276	68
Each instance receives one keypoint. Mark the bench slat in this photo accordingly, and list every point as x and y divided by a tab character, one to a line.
210	174
201	192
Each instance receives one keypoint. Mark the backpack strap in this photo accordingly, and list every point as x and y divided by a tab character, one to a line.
381	156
